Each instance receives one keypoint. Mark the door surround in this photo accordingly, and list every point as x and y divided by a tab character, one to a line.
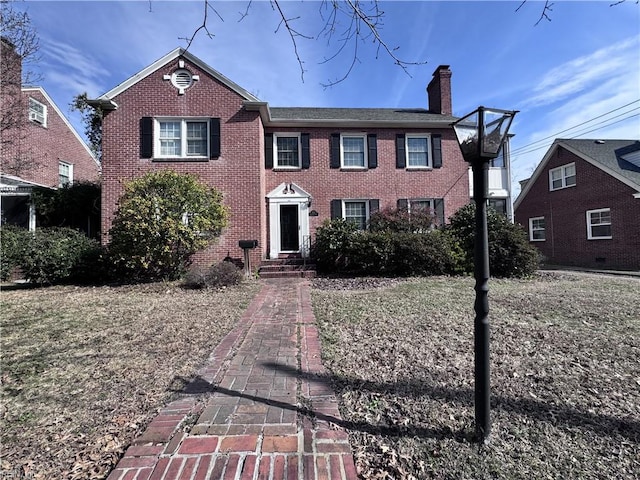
288	194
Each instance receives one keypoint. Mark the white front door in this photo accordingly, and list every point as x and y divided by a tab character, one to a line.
288	220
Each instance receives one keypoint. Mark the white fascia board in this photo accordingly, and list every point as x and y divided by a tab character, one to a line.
175	53
536	173
64	119
541	166
602	167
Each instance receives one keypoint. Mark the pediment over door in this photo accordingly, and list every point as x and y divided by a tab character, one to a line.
288	191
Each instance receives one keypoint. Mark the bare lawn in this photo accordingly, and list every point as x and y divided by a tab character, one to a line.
565	359
84	370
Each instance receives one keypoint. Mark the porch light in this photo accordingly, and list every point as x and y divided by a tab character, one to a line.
480	135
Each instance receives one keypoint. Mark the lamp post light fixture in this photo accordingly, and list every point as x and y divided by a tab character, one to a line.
480	135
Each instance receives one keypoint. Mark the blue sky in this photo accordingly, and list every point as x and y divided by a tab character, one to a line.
569	71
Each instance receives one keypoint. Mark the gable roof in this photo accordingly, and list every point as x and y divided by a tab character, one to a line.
607	155
106	100
344	117
290	116
64	119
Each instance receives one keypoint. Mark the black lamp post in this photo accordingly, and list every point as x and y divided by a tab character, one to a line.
481	135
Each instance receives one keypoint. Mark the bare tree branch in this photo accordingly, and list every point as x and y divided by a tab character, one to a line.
544	15
292	33
204	26
19	49
363	25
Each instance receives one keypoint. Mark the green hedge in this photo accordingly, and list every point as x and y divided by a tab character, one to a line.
510	253
51	255
341	248
393	247
13	243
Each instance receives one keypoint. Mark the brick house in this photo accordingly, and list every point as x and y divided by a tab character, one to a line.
283	171
581	206
40	148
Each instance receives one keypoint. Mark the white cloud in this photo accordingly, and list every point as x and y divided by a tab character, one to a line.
583	73
68	68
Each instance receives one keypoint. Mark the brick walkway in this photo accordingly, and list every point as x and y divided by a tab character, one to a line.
258	409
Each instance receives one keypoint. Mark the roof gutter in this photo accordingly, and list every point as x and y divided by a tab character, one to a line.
268	121
103	103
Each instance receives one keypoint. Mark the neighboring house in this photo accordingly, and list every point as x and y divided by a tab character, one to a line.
40	148
499	181
581	207
283	171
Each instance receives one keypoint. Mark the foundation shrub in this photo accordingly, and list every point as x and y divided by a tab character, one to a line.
163	218
13	242
59	255
333	241
223	274
510	253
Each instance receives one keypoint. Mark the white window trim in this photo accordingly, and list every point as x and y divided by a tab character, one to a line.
531	230
562	169
36	117
276	166
365	156
70	165
183	137
359	200
590	225
429	165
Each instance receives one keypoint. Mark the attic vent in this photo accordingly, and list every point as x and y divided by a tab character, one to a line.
182	79
599	142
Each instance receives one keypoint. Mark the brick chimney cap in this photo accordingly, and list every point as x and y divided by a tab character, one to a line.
441	67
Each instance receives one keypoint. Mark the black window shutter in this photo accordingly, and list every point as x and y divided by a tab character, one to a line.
436	149
373	150
146	137
306	154
336	209
214	138
268	150
335	150
403	203
438	204
374	206
401	161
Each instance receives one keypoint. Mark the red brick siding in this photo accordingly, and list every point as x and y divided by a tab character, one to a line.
385	183
240	174
235	173
45	147
565	217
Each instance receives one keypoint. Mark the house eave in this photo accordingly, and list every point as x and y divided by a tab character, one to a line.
269	121
103	103
173	55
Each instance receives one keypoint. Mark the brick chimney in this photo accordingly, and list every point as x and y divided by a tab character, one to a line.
439	91
10	64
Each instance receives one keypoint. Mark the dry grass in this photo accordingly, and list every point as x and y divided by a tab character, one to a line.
565	358
85	369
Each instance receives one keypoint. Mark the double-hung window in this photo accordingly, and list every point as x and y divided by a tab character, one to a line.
418	205
562	177
287	147
599	224
537	229
37	112
418	151
182	138
354	150
65	174
356	211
